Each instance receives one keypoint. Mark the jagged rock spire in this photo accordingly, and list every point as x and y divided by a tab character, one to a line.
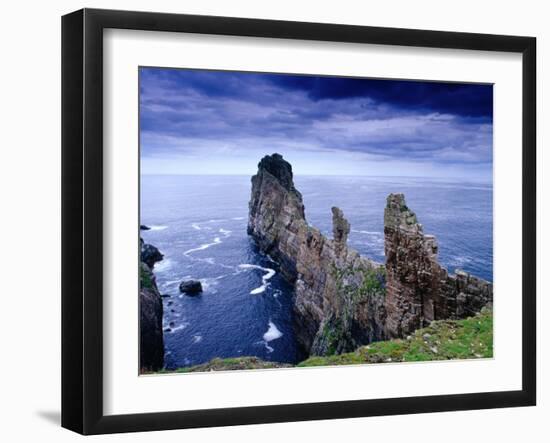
340	228
418	288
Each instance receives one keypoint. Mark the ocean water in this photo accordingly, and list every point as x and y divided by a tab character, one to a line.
199	224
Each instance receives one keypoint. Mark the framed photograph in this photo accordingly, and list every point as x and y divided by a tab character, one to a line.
269	221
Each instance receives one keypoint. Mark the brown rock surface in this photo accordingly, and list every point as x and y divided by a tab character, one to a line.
343	300
418	289
334	312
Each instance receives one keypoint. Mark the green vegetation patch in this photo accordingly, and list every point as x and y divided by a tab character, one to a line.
331	335
145	277
373	281
442	340
231	364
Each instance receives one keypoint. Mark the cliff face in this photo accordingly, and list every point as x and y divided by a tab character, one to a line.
338	293
343	300
418	289
150	307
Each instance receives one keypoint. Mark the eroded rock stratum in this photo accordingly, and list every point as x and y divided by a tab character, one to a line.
151	346
344	300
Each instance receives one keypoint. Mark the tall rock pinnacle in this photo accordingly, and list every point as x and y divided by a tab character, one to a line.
413	276
418	288
332	313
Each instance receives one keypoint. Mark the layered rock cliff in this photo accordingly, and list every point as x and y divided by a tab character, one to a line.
151	349
419	290
338	294
343	300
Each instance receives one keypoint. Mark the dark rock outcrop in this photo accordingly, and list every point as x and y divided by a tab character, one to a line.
191	287
151	311
144	228
419	290
343	300
149	254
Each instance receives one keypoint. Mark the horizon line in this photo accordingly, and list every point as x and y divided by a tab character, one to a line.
450	178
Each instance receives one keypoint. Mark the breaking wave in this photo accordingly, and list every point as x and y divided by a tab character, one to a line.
216	241
269	273
272	333
157	227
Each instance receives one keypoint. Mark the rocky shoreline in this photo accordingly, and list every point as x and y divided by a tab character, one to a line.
151	357
469	338
343	300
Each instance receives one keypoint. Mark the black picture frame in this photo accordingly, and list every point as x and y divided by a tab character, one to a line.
82	218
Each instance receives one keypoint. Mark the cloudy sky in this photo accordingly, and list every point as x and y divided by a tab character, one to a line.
216	122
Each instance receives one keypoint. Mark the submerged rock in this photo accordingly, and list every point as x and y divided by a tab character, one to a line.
144	228
191	287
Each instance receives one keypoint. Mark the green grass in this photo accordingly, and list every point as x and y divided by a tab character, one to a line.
442	340
373	281
229	364
331	335
145	280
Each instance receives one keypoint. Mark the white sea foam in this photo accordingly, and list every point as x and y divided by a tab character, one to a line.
209	284
178	328
460	260
271	259
237	218
196	226
272	333
208	260
216	241
197	338
157	227
169	285
225	232
269	273
258	290
163	265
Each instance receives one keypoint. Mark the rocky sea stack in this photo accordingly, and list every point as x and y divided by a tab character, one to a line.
151	311
343	300
191	287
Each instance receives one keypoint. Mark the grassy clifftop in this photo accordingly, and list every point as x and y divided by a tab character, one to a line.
442	340
232	364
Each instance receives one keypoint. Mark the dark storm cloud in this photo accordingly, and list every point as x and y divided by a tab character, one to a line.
470	100
185	110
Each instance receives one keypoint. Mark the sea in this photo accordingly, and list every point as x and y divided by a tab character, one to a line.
199	224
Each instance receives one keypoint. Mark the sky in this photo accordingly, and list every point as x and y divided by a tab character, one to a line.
224	122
